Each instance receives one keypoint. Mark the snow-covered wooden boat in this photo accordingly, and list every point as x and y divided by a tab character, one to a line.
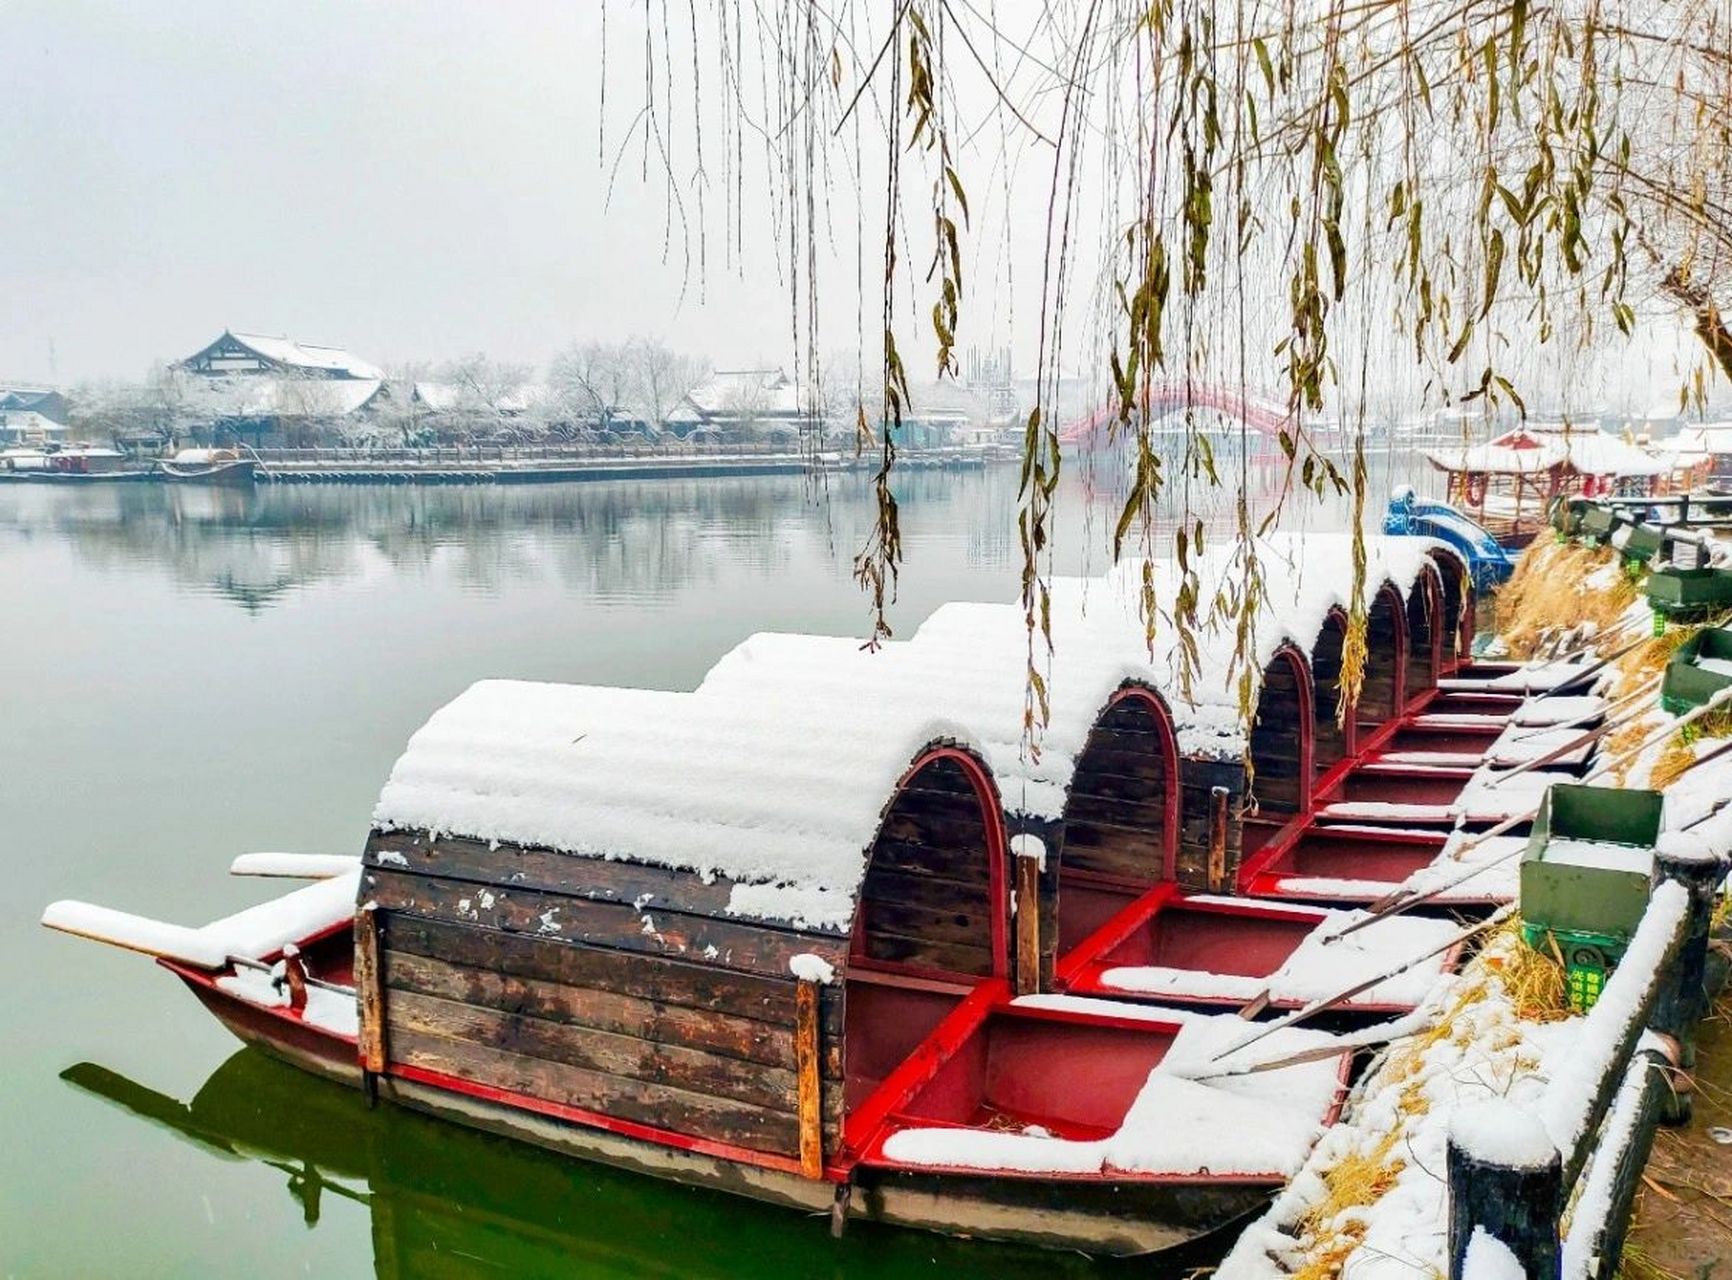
762	936
876	1063
209	466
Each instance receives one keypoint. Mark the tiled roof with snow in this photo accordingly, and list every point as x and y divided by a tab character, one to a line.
307	355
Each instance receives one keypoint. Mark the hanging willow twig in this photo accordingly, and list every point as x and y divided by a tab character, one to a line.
1510	182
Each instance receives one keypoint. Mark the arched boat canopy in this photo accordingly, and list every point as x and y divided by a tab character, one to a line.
774	776
1384	691
1121	815
1332	739
1281	737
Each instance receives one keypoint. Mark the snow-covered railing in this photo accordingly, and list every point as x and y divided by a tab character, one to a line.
1511	1172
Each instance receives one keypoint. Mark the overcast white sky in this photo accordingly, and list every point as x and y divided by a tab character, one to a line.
415	179
420	180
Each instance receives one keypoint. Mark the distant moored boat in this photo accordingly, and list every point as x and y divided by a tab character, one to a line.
208	466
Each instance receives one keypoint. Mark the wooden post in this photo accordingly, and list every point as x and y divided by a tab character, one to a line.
1027	924
295	971
1218	801
810	1100
1683	996
370	997
1507	1179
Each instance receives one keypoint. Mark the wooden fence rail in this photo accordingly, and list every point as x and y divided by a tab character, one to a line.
1511	1174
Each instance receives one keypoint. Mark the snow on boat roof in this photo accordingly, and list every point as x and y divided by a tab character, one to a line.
775	772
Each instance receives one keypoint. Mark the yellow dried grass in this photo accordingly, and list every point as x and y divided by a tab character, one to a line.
1532	979
1548	592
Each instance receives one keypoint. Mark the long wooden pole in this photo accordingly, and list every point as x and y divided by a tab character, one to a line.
370	993
1027	926
1341	997
1397	902
810	1099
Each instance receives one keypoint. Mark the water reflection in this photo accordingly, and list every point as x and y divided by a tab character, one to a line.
617	540
448	1201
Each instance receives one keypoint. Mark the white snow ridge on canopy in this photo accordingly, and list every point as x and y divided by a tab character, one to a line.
777	770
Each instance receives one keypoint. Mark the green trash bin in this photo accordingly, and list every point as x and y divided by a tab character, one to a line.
1701	668
1688	595
1585	878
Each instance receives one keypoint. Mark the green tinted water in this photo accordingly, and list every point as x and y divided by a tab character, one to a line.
186	675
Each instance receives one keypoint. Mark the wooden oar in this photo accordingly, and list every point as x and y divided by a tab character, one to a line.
1585	739
1398	902
1392	1032
1641	691
1341	997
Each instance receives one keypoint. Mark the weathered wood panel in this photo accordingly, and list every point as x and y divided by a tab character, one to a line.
474	861
1422	633
662	1106
1277	748
927	896
1115	818
554	918
1198	778
1385	661
614	1054
734	1035
1329	743
659	980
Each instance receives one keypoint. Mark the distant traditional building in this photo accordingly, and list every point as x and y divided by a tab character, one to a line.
273	390
31	415
744	404
258	355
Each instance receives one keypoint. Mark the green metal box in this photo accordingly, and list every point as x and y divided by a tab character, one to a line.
1642	543
1599	522
1683	594
1585	879
1589	859
1687	684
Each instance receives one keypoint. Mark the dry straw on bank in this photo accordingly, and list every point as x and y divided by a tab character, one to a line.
1551	592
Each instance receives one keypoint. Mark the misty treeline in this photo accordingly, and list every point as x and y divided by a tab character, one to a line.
588	391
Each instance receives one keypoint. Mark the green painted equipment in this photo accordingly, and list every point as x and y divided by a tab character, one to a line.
1641	543
1566	515
1598	523
1692	676
1584	879
1684	595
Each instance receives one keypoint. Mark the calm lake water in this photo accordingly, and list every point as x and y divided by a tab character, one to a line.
193	674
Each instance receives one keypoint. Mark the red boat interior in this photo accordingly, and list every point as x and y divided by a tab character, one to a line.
1398	784
930	1034
1421	736
1018	1068
1349	854
1248	941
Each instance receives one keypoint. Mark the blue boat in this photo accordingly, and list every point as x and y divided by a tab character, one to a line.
1489	562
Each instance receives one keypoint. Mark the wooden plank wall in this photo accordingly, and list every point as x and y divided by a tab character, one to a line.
1383	676
1275	742
927	896
1451	620
1115	815
1330	741
1420	633
1198	779
598	985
